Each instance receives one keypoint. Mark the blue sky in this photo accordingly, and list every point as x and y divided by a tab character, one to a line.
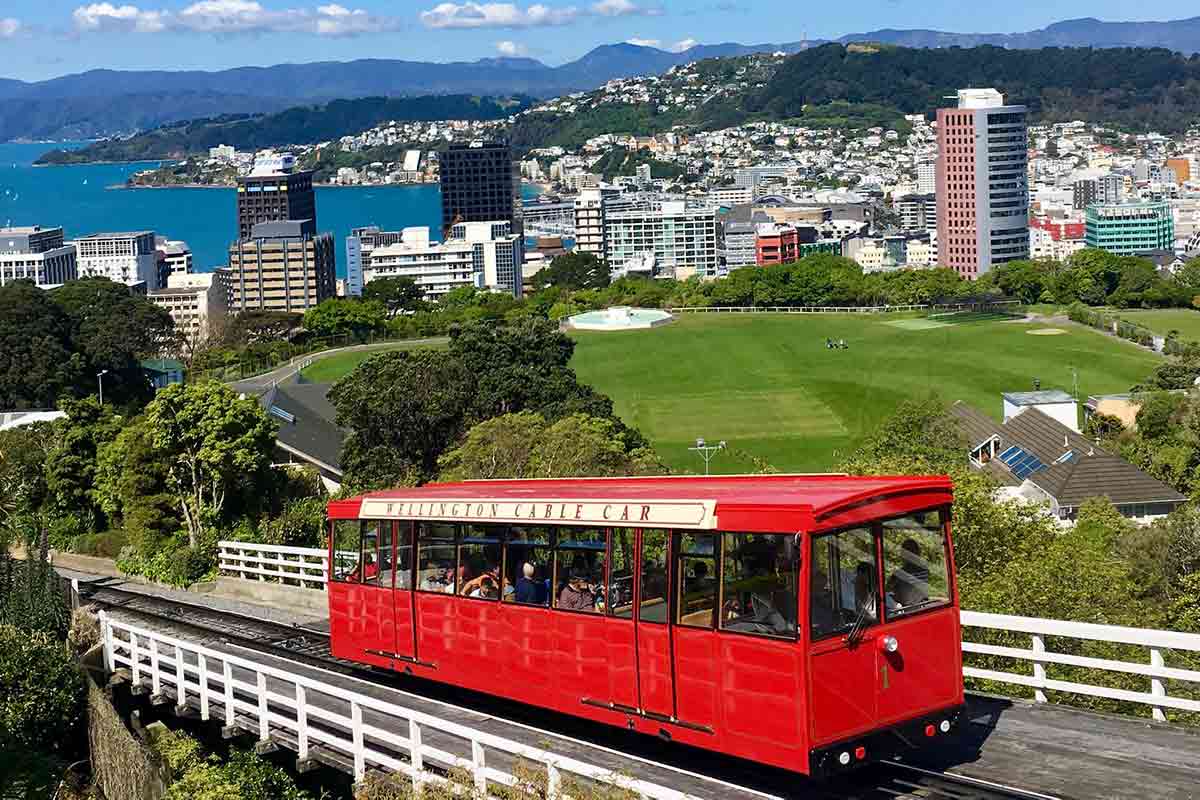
44	38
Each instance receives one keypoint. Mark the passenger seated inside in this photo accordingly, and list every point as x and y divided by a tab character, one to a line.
909	585
528	590
486	586
439	579
577	594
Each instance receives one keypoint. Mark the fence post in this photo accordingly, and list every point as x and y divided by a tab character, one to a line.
360	757
107	637
416	755
553	782
134	668
301	722
1156	684
230	713
1039	669
155	672
479	767
264	725
202	667
180	680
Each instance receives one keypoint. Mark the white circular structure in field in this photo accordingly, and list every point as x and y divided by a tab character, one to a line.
619	318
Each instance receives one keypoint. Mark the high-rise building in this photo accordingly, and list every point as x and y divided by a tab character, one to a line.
37	254
486	255
268	195
1130	228
359	245
129	258
589	220
917	212
927	177
1084	193
174	258
479	183
194	302
1110	189
982	185
282	267
680	239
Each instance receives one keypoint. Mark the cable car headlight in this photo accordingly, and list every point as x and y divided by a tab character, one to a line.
890	644
844	759
945	726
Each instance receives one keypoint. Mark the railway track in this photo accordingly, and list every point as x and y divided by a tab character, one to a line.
310	646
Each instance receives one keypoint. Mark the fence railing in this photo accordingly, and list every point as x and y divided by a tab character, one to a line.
1157	644
307	715
300	566
996	305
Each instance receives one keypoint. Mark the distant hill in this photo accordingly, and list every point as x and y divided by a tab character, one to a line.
1135	88
300	125
1182	35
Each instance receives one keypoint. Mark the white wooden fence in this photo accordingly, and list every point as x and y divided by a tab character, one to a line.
281	706
991	305
1157	643
302	566
309	567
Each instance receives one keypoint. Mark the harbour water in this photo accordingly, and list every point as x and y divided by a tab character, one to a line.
82	200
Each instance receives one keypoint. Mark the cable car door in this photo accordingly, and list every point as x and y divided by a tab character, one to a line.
375	604
655	653
843	624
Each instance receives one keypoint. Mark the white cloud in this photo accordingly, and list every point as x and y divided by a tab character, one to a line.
644	42
683	44
9	27
622	8
512	49
496	15
227	17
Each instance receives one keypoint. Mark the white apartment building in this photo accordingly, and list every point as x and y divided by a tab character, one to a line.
128	258
679	237
729	196
486	255
176	256
36	254
927	177
589	220
194	302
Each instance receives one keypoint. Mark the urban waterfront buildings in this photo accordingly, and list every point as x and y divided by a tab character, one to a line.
982	187
1130	228
194	301
917	212
681	240
359	245
282	266
36	254
273	194
486	255
776	244
129	258
479	183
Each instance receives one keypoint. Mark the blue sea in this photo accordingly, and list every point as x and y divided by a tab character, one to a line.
88	199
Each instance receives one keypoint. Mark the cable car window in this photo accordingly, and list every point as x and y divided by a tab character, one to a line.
843	585
914	561
758	584
404	555
435	557
697	580
377	553
347	538
479	562
620	589
579	570
527	566
653	605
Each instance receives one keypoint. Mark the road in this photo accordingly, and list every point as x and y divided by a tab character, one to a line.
259	384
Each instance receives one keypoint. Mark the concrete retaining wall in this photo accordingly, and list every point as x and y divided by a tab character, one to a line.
123	766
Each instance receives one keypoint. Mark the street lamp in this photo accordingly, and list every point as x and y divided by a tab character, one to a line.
100	379
707	451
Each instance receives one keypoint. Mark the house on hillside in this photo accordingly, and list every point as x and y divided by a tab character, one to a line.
307	432
1038	457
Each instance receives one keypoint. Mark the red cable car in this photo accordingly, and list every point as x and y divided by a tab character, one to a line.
806	622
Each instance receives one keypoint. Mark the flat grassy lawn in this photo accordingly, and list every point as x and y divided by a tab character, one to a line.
333	368
1162	321
767	384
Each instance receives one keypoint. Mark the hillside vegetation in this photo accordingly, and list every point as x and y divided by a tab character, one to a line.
300	125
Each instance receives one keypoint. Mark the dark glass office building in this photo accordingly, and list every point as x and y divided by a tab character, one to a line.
478	184
276	198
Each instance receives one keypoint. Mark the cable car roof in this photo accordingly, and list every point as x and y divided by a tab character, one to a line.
741	502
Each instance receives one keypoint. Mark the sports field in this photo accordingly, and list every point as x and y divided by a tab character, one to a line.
769	386
1163	321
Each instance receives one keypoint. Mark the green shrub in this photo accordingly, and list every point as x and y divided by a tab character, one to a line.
300	524
174	563
103	545
242	776
41	691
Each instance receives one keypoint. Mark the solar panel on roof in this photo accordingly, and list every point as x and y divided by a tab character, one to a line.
1021	463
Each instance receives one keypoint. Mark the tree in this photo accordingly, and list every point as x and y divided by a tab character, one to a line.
341	316
574	270
37	361
402	409
24	494
525	445
213	444
397	293
251	327
71	464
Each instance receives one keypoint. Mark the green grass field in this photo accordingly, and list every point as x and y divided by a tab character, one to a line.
767	384
333	368
1162	321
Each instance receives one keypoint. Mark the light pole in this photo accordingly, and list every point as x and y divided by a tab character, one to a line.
707	451
100	379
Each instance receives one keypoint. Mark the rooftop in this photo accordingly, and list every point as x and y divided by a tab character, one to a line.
119	235
1038	398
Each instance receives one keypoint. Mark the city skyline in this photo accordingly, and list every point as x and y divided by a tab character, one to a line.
42	40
